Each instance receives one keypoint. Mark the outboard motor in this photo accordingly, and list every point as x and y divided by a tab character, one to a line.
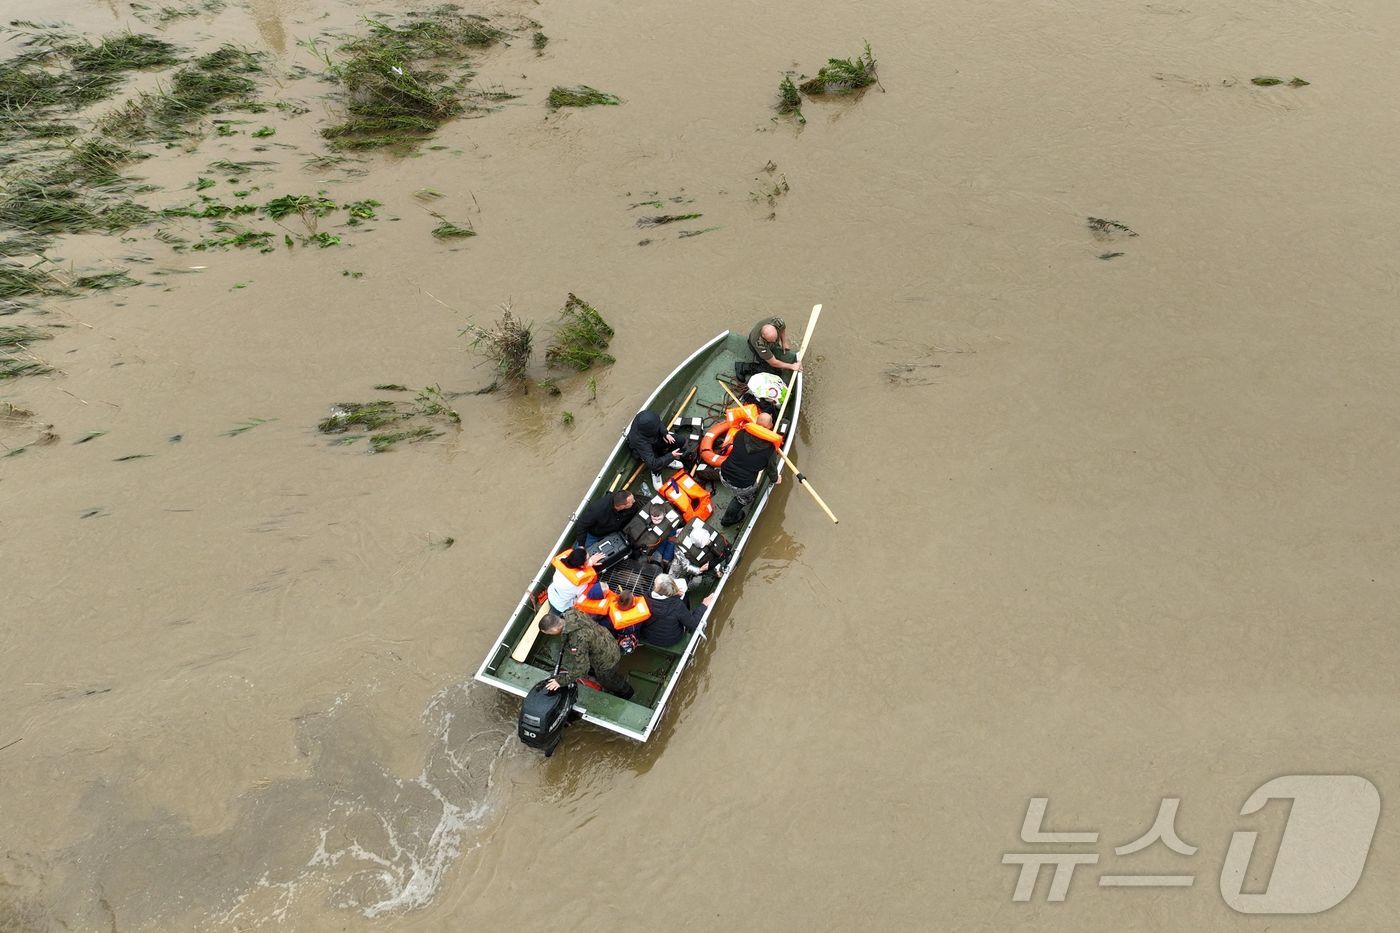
543	716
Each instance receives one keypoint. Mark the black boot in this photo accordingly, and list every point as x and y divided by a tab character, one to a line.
734	514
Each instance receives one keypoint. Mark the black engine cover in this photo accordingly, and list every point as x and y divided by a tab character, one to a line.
543	716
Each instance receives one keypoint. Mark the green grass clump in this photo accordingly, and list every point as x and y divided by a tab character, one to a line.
539	41
17	281
26	88
15	358
660	219
36	208
508	345
24	244
303	204
94	163
14	368
240	237
124	51
14	335
394	97
105	280
430	403
371	416
366	415
581	338
447	230
580	96
210	83
789	100
379	443
361	210
842	75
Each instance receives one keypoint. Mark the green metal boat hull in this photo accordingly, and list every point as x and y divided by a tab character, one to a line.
652	671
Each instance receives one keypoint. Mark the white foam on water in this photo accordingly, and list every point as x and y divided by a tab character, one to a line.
401	868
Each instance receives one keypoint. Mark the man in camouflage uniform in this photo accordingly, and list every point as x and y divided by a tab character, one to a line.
769	343
587	649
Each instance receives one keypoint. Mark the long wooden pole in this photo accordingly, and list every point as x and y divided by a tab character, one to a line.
532	631
638	471
797	474
801	353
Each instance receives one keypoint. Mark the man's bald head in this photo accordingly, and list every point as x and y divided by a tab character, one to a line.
769	332
765	420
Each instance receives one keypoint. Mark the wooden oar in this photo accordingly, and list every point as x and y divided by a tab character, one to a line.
638	471
801	353
801	479
532	631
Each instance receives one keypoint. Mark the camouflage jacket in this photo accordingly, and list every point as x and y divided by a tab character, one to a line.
586	647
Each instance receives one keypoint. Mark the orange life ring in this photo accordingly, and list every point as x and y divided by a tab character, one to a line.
708	443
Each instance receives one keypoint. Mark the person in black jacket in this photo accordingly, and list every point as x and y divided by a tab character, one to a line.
743	470
606	514
671	620
653	445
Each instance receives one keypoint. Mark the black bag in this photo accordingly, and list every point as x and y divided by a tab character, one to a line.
613	547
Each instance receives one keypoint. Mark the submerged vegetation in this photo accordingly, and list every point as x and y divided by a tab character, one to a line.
16	359
394	97
1271	81
580	96
79	187
662	219
1104	229
581	338
447	230
369	417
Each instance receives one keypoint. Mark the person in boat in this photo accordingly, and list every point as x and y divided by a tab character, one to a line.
697	551
653	532
574	578
587	651
654	446
769	343
608	513
754	454
671	619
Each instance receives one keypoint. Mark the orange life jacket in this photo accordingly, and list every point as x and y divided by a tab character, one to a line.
626	618
690	498
583	576
595	607
737	416
764	434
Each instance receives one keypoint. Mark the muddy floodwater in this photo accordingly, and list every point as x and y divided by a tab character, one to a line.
1118	500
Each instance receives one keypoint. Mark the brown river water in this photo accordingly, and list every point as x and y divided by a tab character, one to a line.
1113	530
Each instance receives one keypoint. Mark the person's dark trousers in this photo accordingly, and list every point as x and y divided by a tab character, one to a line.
743	498
612	681
787	356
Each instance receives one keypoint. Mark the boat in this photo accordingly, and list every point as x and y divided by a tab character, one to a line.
521	658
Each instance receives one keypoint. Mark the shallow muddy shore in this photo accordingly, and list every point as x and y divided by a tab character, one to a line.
1103	394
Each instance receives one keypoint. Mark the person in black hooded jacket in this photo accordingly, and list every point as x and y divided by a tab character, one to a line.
671	620
652	445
